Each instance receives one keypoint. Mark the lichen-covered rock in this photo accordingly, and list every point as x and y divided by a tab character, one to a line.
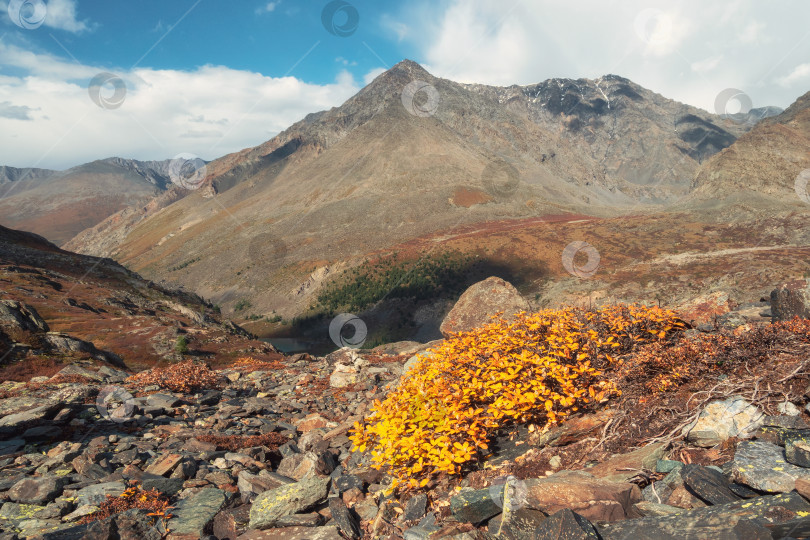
480	302
282	501
475	506
721	420
742	520
762	465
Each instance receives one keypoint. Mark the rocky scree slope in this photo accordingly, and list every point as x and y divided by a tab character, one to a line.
261	450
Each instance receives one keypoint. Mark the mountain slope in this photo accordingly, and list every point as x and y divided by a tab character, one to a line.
343	183
759	171
60	204
101	302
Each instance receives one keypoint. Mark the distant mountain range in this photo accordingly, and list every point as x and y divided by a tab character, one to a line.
60	204
412	159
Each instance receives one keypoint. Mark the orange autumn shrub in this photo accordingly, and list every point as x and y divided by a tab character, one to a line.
133	497
187	377
537	368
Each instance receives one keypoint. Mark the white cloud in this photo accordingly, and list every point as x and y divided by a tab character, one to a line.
267	8
62	15
707	64
398	28
373	74
689	51
164	113
753	32
799	73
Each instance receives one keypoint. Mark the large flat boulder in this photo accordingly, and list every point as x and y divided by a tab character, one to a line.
742	520
585	494
480	302
273	505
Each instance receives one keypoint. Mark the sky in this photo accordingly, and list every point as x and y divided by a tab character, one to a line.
82	80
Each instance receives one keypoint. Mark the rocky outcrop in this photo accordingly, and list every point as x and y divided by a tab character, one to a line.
480	302
22	316
791	299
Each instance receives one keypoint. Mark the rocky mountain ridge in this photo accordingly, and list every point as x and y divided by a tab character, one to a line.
60	204
369	175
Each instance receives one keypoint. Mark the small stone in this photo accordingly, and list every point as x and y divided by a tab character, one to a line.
666	466
647	508
708	484
164	401
164	465
97	493
788	409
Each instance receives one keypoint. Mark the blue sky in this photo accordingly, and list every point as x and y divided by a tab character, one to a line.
272	38
209	77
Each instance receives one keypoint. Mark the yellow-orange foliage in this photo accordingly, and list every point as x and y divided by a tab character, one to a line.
536	368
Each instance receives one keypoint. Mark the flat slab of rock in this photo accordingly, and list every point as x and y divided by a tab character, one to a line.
709	484
763	466
282	501
743	520
97	493
475	506
594	498
37	490
624	466
480	302
330	532
193	515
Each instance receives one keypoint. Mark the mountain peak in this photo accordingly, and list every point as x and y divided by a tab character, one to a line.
410	67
